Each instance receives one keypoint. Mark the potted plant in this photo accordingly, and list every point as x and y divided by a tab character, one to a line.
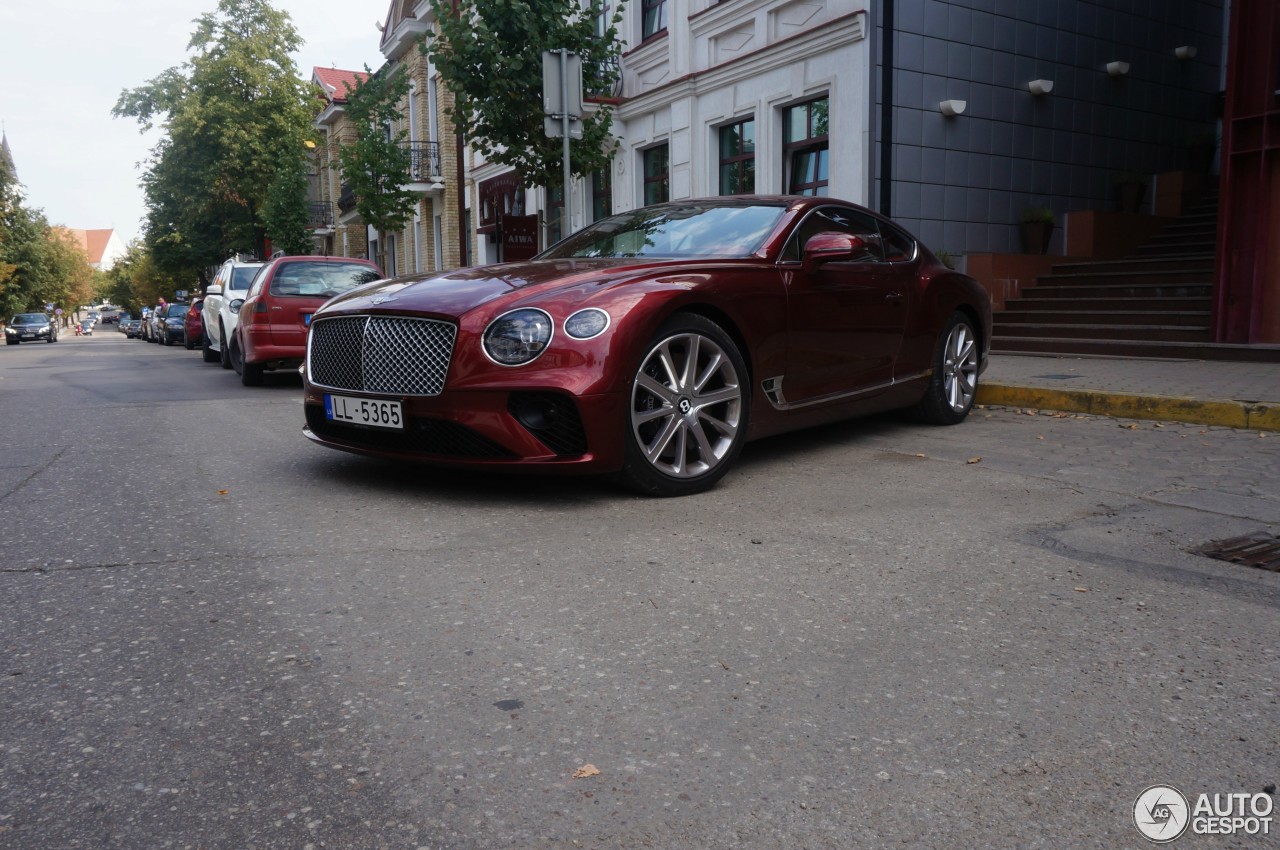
1037	226
1131	186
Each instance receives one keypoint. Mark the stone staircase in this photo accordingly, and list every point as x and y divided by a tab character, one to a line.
1155	303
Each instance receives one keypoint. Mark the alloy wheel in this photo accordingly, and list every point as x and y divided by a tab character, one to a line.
960	367
686	405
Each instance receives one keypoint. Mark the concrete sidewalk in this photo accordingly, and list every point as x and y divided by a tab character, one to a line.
1236	395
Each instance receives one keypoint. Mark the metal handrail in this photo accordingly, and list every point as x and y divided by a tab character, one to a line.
424	160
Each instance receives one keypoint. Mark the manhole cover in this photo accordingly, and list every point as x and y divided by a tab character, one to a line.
1259	550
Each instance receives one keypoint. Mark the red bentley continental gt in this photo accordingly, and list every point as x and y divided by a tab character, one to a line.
651	344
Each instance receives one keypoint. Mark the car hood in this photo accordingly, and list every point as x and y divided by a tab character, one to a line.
454	293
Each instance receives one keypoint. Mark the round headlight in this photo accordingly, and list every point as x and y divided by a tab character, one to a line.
517	337
235	305
587	323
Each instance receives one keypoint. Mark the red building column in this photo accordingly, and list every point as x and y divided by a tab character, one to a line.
1247	284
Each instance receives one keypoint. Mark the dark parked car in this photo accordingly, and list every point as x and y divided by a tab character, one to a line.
30	327
651	344
171	323
193	325
272	331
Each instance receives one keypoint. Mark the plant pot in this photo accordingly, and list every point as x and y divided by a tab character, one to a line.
1035	236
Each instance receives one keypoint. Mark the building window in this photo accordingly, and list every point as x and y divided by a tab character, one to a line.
738	158
555	214
657	175
653	18
601	194
804	148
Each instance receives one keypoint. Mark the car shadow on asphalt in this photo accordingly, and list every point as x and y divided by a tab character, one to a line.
355	472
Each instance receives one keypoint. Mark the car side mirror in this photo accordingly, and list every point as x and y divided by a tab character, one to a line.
213	290
832	248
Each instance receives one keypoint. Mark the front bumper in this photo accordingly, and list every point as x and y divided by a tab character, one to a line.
11	333
496	429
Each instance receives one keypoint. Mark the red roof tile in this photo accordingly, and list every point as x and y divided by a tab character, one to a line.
335	82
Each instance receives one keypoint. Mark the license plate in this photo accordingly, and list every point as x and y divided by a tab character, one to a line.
373	413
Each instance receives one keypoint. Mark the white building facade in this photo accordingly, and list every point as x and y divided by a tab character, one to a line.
742	97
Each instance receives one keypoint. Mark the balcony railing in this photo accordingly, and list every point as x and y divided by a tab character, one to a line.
319	215
424	160
609	68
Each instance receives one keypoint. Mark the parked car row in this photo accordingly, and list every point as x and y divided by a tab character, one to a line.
254	315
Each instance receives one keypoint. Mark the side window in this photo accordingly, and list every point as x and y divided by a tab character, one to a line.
255	288
898	246
835	220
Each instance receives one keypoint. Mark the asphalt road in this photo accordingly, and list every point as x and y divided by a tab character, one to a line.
875	634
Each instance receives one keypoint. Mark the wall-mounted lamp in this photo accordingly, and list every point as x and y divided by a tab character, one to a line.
1039	87
952	108
1117	69
1187	51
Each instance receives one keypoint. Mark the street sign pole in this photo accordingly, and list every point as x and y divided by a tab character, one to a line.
562	112
564	129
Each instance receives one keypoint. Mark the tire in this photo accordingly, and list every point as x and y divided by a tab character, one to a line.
954	382
224	353
250	373
206	350
186	342
166	340
687	411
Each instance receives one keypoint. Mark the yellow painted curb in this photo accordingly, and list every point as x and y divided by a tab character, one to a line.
1261	416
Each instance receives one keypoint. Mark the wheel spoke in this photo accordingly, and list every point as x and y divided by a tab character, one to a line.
713	366
656	388
688	375
706	453
659	444
642	417
718	397
668	366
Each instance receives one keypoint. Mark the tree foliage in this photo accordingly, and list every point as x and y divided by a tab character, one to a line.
376	165
232	115
38	264
489	52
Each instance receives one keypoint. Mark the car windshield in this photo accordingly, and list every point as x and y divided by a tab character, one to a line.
673	230
242	276
176	310
30	319
322	279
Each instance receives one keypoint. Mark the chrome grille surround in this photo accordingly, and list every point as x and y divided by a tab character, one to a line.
391	355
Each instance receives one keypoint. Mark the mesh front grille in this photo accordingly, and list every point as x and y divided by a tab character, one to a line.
381	354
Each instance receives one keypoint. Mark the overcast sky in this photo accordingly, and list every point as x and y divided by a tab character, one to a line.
64	65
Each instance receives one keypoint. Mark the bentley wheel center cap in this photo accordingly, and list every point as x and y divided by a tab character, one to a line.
685	406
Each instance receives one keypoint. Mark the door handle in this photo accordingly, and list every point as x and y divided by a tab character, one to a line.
893	296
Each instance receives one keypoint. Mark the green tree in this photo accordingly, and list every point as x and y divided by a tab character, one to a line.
376	165
489	52
286	211
232	114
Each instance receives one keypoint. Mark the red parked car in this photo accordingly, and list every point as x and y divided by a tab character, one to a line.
271	333
651	344
193	325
